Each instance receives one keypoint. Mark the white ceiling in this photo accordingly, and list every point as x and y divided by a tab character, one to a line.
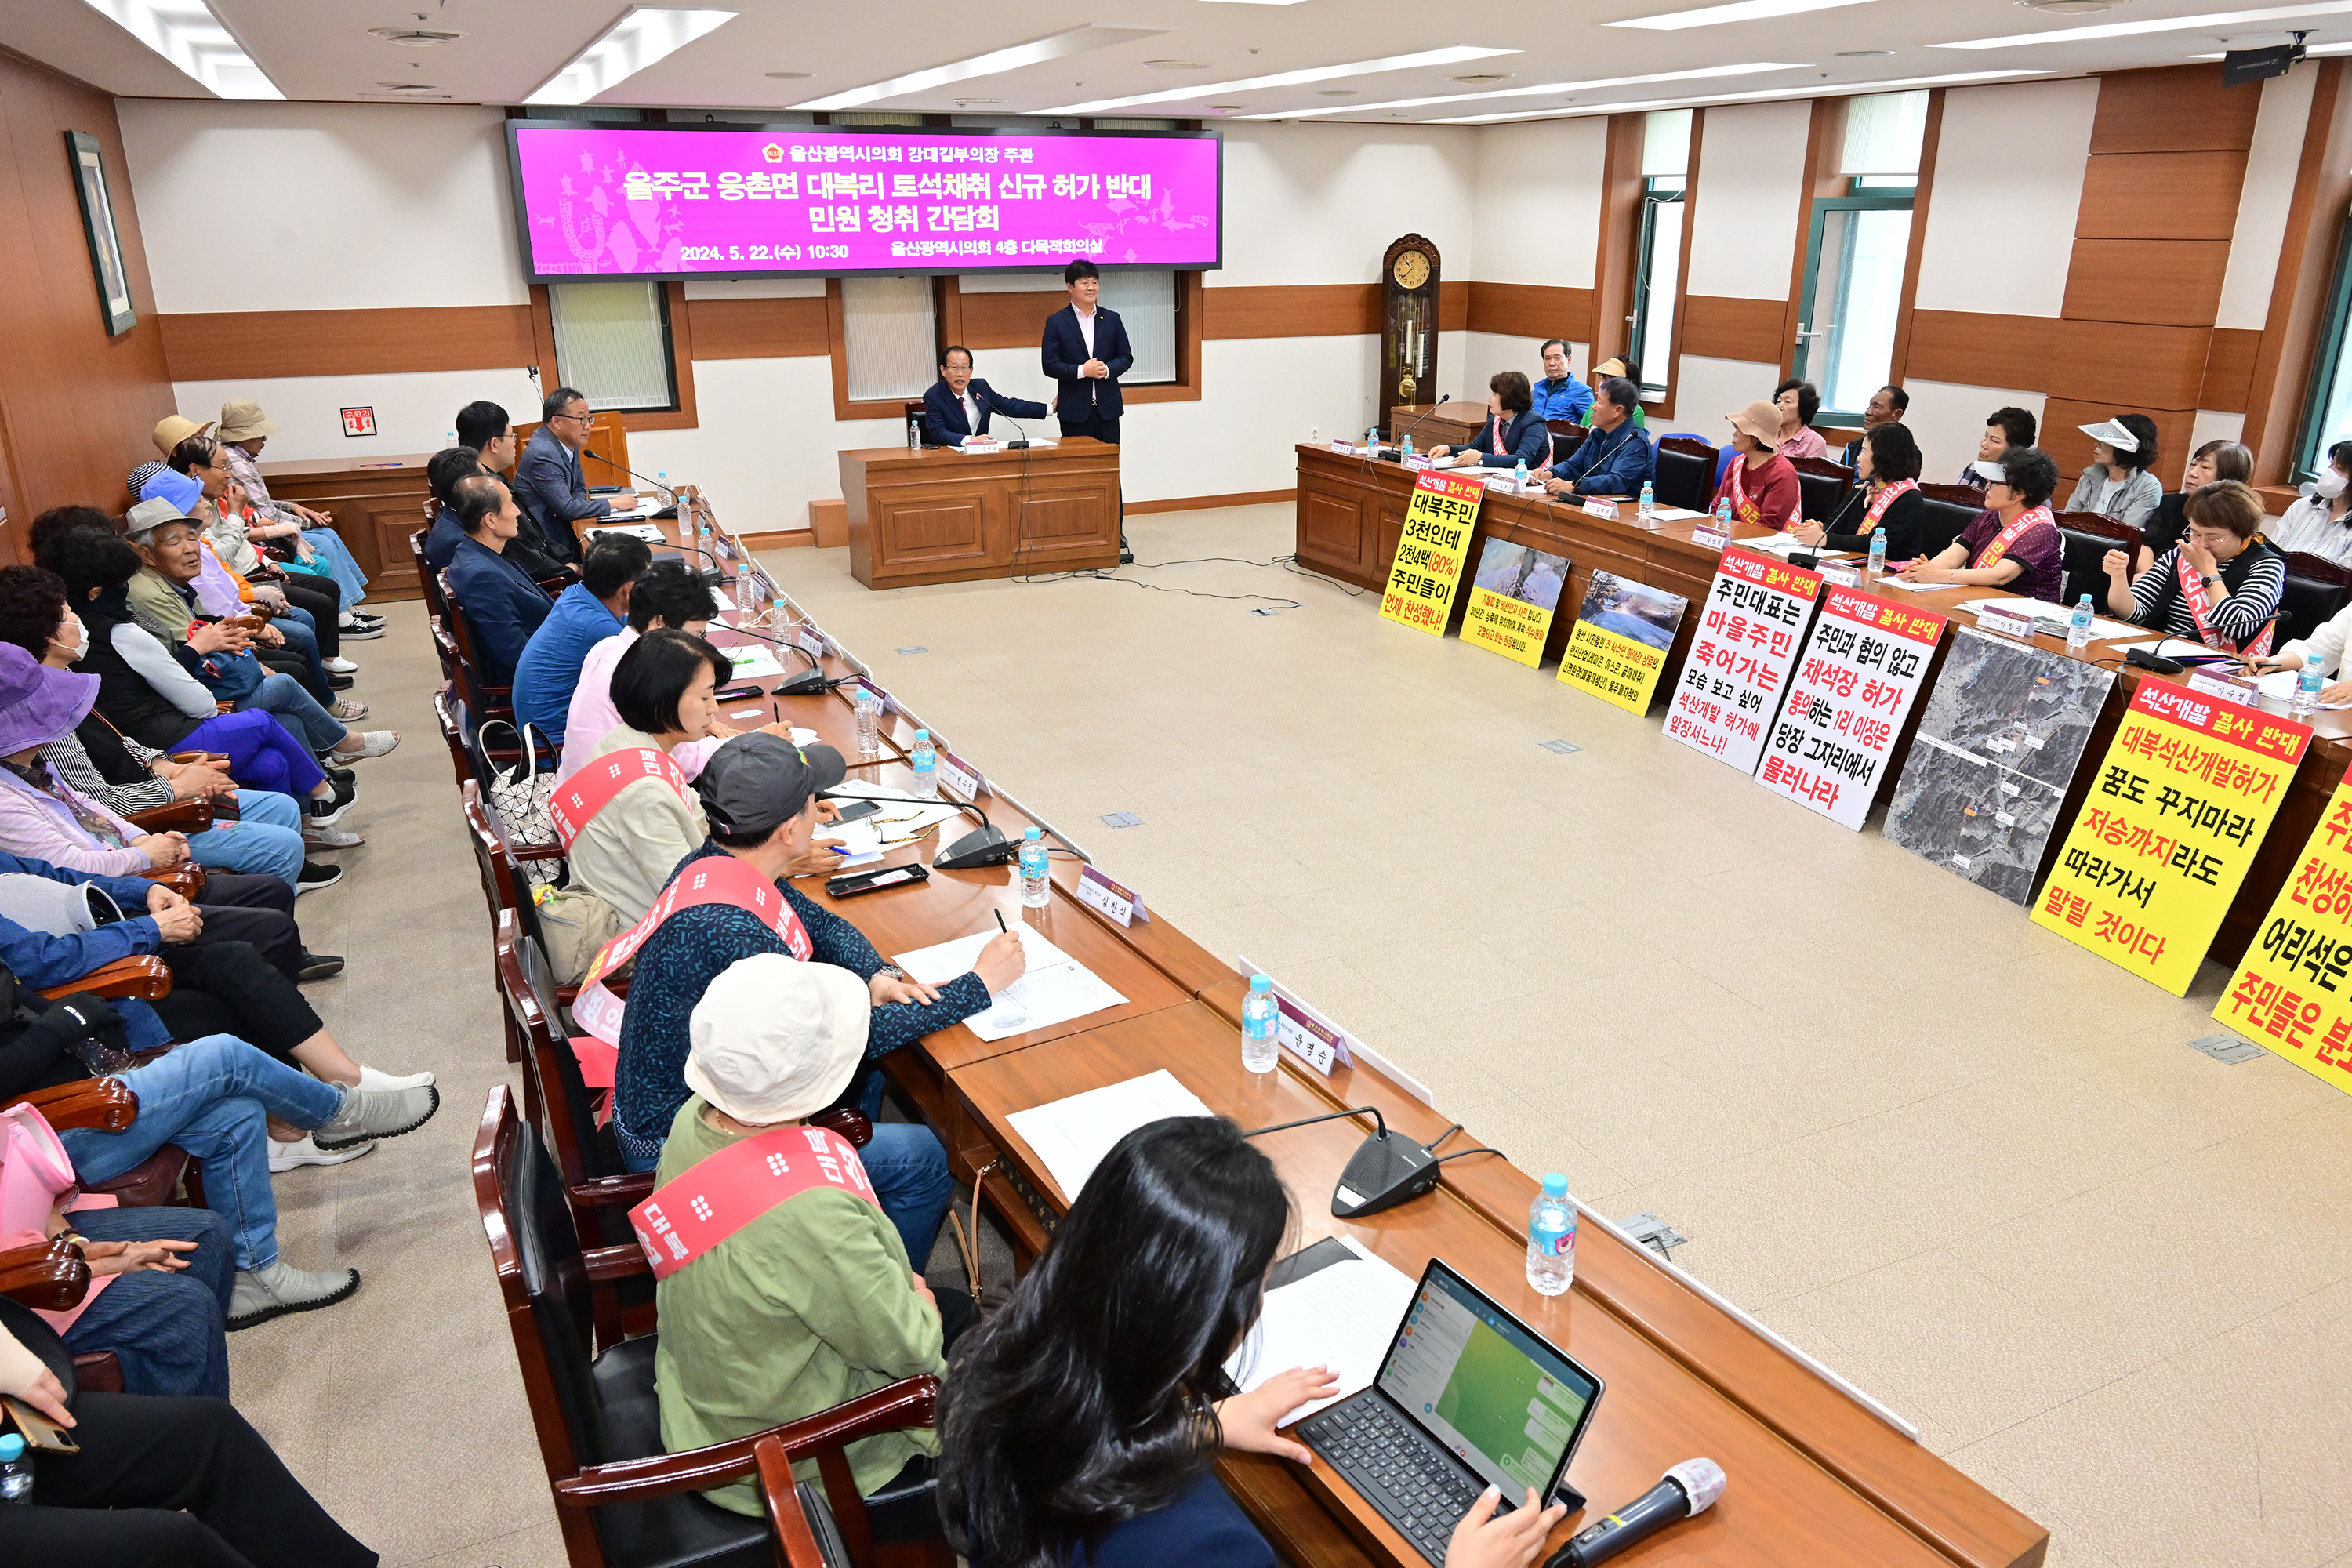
322	50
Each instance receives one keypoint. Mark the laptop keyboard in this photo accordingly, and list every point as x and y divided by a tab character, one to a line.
1416	1486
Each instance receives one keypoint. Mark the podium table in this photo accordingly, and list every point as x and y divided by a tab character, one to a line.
942	516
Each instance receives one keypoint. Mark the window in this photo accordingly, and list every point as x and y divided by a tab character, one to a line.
2328	418
889	337
612	341
1657	272
1146	303
1854	255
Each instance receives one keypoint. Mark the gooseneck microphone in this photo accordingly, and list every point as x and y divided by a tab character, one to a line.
1386	1169
654	484
1687	1489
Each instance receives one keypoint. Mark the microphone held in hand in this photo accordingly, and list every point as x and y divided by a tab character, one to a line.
1688	1488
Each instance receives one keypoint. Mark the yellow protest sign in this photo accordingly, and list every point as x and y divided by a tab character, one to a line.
2291	992
1512	600
1428	565
1617	648
2182	800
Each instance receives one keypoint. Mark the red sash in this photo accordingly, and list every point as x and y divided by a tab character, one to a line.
1744	510
701	1206
1495	425
2200	609
713	880
578	798
2008	536
1884	498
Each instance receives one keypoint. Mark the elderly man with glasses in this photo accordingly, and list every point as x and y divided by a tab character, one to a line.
548	484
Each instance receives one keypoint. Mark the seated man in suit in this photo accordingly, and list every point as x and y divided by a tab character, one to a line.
442	473
1515	433
1617	459
500	603
548	481
957	407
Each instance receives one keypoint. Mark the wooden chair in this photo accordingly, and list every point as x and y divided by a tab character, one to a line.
109	1105
487	702
1823	485
493	856
427	579
54	1277
1950	509
2089	535
2316	589
620	1499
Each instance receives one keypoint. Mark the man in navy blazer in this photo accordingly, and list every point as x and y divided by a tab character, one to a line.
500	603
548	481
957	406
1086	351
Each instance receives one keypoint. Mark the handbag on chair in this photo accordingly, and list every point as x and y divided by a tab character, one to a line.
520	794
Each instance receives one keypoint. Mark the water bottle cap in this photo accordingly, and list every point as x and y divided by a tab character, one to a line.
1261	983
12	1448
1032	835
1555	1185
922	735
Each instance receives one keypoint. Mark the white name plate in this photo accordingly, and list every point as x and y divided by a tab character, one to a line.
1109	898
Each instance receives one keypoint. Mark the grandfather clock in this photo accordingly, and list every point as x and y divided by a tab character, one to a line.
1408	324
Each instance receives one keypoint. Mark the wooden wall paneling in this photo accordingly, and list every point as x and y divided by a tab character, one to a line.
1682	267
75	404
2283	364
2127	364
1534	310
2160	195
1931	140
2173	109
1615	259
2229	380
2071	449
2160	282
759	329
1453	305
236	346
947	312
1293	310
1824	152
1728	327
1979	347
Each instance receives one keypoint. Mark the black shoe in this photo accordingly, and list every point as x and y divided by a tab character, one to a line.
325	813
315	875
318	966
362	630
340	775
342	682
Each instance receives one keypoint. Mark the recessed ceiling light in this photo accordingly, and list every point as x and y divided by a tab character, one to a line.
1457	55
1850	90
1862	54
1738	11
414	37
1227	108
641	37
409	85
1480	79
188	34
788	76
2155	25
976	102
1338	92
1540	89
1175	65
2067	8
1013	57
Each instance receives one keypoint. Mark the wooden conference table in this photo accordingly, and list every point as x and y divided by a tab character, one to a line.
1351	513
1816	1478
941	515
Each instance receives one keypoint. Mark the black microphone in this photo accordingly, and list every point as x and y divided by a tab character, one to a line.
657	484
1383	1172
1688	1488
983	846
1434	406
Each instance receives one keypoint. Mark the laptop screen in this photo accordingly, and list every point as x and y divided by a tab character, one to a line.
1494	1394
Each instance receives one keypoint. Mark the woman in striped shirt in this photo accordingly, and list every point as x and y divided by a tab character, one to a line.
2219	585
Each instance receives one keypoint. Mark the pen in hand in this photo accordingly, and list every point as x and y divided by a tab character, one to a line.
1000	918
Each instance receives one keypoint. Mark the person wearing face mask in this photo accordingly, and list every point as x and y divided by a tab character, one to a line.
2320	522
2168	523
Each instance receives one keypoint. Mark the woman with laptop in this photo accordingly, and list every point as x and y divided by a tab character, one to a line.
1080	1425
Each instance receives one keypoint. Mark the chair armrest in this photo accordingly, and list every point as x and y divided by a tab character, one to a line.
847	1120
607	1192
780	1495
186	815
48	1275
92	1104
909	1402
606	1263
145	978
186	879
99	1371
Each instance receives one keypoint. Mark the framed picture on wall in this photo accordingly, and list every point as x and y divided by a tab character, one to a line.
97	227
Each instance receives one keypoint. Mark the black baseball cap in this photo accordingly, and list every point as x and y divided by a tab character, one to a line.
755	782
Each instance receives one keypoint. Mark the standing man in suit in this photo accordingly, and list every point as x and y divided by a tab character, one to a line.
1086	350
548	482
957	407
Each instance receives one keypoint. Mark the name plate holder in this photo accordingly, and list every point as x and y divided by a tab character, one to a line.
2005	624
1843	576
2229	688
1716	539
809	641
1606	510
889	703
1122	905
960	775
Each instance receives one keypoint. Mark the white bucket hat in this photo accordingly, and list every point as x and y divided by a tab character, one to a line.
774	1039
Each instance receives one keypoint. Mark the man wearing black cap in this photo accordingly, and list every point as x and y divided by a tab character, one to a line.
759	794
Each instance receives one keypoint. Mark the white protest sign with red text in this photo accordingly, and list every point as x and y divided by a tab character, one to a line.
1853	686
1732	682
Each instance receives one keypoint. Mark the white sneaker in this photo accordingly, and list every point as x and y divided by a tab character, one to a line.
371	1079
373	743
330	839
261	1294
339	667
304	1152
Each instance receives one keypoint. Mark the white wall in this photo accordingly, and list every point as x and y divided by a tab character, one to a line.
413	412
1751	176
1539	201
2263	203
2009	181
1330	198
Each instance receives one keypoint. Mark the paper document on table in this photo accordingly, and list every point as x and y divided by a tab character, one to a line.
1071	1136
753	663
2182	648
1342	1316
2281	684
860	845
2102	629
1910	587
1055	989
1783	543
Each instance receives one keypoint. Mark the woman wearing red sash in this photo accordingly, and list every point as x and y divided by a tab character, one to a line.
2219	585
1760	484
1888	460
2014	542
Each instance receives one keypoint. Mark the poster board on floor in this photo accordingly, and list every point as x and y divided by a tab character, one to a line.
1755	613
1513	598
1438	522
1617	648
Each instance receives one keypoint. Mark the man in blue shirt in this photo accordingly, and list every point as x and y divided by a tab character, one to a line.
1560	396
548	480
1616	458
501	604
586	613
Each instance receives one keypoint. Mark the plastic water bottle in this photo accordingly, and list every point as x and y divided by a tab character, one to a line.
869	703
777	614
1519	476
1036	886
1879	552
1372	442
1649	506
15	1471
924	761
1260	1018
1404	448
2307	688
1551	1237
1723	513
2078	626
914	436
449	440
